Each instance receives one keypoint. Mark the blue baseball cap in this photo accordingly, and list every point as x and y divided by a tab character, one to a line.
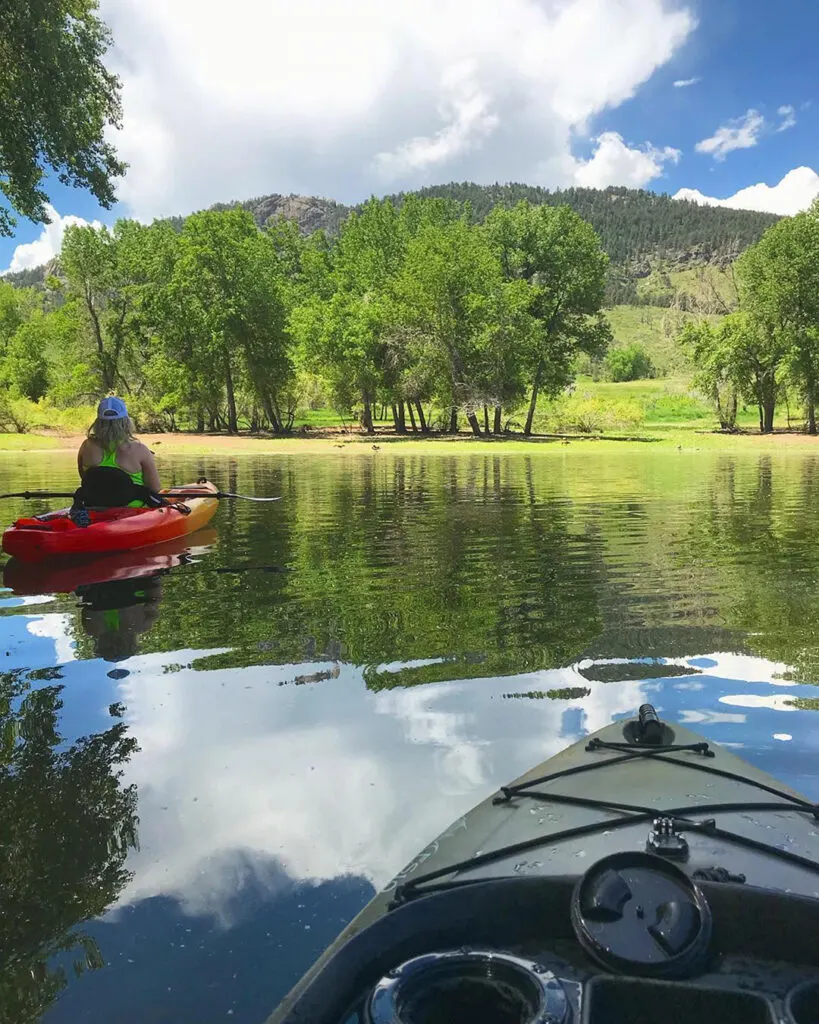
112	408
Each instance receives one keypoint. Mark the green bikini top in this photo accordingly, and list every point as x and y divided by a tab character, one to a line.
109	459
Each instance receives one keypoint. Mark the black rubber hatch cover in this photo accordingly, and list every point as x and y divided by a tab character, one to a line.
634	913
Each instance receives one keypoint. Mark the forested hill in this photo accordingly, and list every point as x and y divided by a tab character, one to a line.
638	228
634	225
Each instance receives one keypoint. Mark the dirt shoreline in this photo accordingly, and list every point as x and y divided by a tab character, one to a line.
337	441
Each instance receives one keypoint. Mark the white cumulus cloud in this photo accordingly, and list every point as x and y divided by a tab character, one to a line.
614	163
683	83
210	748
795	192
741	133
48	245
788	115
340	99
466	110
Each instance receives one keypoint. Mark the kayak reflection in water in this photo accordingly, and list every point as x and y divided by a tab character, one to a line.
115	468
116	614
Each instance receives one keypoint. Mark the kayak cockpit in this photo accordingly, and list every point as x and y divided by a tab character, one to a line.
638	876
763	947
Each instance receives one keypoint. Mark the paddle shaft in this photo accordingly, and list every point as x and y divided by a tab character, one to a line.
166	494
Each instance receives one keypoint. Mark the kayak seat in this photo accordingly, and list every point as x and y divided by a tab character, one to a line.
105	487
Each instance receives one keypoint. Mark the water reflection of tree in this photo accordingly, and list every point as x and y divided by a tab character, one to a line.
501	564
412	558
66	825
756	545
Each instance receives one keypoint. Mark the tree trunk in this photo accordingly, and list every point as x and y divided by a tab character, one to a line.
200	421
486	420
498	428
233	421
412	418
367	416
527	430
270	412
278	413
768	409
453	422
421	418
107	370
398	418
811	416
732	412
473	422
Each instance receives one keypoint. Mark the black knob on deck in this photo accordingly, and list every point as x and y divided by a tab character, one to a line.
650	728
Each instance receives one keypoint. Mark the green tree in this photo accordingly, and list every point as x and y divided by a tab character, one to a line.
17	305
25	367
739	353
260	327
225	310
201	303
66	826
73	377
89	261
780	290
451	293
348	328
630	362
560	256
346	332
718	371
11	316
56	100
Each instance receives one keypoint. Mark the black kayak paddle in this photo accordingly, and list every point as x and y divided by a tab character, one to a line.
163	494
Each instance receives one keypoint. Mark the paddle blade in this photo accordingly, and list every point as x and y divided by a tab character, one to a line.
245	497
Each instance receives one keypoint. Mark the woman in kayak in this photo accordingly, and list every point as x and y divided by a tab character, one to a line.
111	445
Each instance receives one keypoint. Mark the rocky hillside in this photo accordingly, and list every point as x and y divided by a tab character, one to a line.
34	277
311	213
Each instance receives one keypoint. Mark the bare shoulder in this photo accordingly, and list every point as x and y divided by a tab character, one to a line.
141	450
89	449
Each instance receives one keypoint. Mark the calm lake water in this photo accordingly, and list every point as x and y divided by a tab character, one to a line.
208	771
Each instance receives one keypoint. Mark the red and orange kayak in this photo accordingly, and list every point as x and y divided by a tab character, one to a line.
64	575
117	529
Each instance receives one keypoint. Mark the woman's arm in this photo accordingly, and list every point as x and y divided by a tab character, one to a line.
80	463
149	471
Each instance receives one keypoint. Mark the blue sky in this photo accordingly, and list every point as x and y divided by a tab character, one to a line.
349	98
748	54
